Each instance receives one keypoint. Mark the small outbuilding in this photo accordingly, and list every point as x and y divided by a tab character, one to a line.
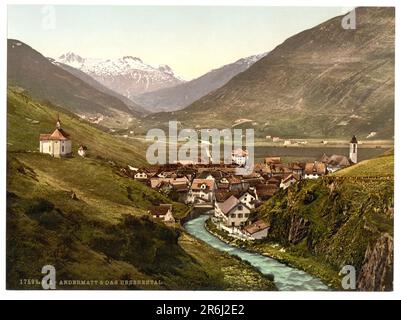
163	212
257	230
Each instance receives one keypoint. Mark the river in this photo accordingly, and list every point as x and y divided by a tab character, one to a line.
286	278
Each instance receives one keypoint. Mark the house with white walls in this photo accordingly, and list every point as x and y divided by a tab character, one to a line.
232	212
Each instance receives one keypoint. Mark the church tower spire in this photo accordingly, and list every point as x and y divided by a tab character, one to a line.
58	123
353	150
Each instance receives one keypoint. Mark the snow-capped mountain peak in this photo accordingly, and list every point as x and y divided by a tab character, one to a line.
251	59
128	75
70	57
132	58
165	68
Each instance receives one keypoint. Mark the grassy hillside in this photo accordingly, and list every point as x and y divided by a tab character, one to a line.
103	232
89	221
381	166
343	219
27	118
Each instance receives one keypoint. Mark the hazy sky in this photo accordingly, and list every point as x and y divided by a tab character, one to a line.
191	40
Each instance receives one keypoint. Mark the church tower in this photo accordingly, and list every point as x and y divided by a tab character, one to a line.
353	150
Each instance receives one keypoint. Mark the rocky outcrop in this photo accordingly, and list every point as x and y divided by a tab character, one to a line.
377	269
344	222
298	230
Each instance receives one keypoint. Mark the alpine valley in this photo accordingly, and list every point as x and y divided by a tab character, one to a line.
182	95
323	82
82	197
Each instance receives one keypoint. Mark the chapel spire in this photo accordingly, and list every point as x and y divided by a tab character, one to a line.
58	123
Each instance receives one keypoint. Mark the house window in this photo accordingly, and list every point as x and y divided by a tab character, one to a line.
240	215
353	148
233	215
246	215
239	208
233	224
62	148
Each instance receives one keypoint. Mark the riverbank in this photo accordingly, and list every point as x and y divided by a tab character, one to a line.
229	272
286	278
308	264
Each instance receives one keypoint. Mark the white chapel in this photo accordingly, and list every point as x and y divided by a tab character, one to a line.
57	144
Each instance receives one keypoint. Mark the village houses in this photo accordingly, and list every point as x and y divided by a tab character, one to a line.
249	197
232	212
141	175
163	212
202	191
257	230
240	157
289	180
315	170
234	197
335	162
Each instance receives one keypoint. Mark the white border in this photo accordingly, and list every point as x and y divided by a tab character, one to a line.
193	295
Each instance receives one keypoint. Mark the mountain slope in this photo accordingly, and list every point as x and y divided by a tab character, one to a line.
322	82
30	70
27	118
182	95
344	219
98	86
90	222
128	75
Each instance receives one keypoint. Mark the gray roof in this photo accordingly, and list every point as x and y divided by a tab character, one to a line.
228	205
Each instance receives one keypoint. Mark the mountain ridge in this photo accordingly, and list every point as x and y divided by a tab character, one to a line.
322	82
30	70
97	85
182	95
127	75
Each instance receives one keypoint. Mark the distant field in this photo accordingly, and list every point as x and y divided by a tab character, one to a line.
317	142
309	152
312	153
